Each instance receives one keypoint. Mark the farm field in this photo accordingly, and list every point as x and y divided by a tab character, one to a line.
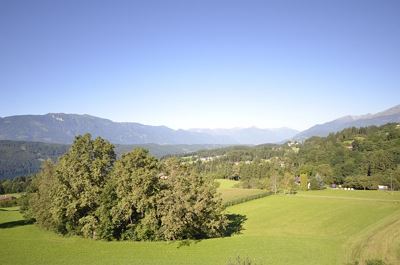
321	227
230	193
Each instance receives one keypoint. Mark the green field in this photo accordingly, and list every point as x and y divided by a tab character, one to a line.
321	227
230	193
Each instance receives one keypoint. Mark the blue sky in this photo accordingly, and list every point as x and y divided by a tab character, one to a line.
187	64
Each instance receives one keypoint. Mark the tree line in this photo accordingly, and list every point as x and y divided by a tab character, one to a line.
91	193
15	185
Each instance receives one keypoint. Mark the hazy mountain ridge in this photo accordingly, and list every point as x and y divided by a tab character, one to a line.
380	118
62	128
252	135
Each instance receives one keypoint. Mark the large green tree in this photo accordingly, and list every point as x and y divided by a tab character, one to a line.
137	197
81	176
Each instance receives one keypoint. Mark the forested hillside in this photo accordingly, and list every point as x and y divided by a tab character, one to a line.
21	158
360	158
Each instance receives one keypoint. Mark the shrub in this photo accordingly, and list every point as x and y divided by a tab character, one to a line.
375	262
248	198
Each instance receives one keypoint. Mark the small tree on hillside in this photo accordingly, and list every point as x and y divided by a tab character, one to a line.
303	182
287	183
316	182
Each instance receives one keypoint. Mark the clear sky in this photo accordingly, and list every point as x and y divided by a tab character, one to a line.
187	64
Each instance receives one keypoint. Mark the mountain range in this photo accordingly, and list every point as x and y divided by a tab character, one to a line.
380	118
62	128
27	140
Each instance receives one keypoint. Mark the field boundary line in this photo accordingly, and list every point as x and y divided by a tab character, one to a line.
345	198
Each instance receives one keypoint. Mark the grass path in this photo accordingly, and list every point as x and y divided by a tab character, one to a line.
380	240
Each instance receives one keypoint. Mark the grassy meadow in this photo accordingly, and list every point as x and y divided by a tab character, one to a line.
316	227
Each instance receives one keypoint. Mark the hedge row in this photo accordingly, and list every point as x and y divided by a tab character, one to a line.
248	198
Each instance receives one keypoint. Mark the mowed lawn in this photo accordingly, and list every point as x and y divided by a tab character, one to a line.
321	228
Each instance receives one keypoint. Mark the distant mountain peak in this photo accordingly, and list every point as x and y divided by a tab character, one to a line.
346	118
380	118
391	111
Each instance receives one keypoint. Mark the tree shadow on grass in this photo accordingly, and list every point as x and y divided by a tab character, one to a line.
187	242
8	210
15	223
235	224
